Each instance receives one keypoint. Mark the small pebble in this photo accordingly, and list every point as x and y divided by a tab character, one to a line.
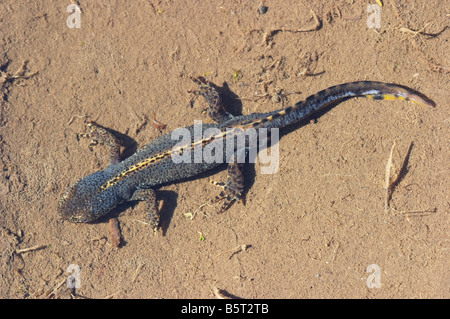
262	9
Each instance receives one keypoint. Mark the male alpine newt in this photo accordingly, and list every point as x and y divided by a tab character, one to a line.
137	177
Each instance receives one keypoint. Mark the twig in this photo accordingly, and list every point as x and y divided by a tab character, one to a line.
239	249
191	215
114	232
235	250
387	179
157	124
316	26
19	74
75	116
434	66
414	33
416	213
112	295
25	250
219	293
136	273
223	294
55	289
141	221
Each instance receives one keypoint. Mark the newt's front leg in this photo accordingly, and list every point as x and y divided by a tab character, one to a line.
100	135
216	109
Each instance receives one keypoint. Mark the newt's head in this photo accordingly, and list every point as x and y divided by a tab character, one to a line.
74	205
83	201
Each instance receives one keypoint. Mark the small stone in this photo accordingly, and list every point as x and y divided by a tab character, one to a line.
262	9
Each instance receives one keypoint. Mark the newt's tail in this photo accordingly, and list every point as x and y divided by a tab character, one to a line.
369	89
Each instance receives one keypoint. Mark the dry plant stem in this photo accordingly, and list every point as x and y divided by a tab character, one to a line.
218	293
55	289
25	250
157	124
414	33
317	24
19	74
114	232
387	179
112	295
434	66
238	249
136	273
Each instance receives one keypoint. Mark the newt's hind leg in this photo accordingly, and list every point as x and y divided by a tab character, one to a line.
233	188
208	90
100	135
148	195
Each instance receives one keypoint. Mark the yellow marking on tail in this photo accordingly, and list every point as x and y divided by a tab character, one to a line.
393	97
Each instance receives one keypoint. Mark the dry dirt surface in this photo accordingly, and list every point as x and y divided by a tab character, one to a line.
347	215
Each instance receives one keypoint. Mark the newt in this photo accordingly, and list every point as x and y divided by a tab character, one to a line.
137	177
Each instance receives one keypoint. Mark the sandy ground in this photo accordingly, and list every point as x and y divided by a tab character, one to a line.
318	228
